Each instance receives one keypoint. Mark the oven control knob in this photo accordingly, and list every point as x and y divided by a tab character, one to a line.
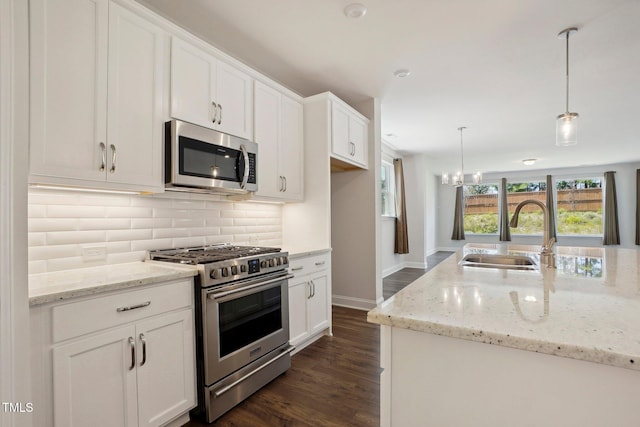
214	274
234	270
263	263
224	271
243	268
272	262
278	261
285	260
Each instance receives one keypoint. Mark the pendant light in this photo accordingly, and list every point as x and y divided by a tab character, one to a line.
567	123
457	179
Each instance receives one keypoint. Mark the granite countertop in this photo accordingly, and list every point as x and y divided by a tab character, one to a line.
301	253
62	285
587	309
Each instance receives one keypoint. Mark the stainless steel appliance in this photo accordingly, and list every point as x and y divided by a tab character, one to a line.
204	160
242	320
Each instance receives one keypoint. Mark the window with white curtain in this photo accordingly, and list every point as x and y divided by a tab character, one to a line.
387	190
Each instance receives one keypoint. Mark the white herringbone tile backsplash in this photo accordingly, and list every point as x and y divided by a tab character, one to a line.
72	230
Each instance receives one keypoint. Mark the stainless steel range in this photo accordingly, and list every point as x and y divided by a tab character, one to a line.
242	320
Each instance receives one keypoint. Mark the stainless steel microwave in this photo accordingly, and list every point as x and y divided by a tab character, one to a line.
204	160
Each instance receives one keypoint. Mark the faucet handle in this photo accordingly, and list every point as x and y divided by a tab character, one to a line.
551	242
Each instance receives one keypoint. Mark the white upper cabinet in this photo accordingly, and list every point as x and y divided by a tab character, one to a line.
279	134
208	92
96	96
349	135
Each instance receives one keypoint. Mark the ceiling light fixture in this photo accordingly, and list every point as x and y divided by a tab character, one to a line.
355	10
457	179
403	72
566	123
529	162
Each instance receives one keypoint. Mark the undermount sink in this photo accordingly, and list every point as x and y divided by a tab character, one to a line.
511	262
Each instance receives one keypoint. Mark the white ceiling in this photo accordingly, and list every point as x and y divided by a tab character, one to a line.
494	66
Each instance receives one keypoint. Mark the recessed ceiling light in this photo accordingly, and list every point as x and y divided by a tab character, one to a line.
355	10
529	162
403	72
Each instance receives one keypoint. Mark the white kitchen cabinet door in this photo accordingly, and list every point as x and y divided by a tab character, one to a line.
68	83
166	367
266	128
298	295
291	149
349	136
278	132
192	84
94	381
358	137
340	144
318	305
135	89
208	92
234	96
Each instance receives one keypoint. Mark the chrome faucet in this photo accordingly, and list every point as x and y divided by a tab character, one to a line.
546	251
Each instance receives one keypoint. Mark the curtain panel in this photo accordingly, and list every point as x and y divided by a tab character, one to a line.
401	245
611	228
458	215
503	217
551	207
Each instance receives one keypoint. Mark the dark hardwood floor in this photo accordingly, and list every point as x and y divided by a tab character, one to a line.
398	280
333	382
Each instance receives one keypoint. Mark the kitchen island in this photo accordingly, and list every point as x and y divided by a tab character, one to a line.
499	347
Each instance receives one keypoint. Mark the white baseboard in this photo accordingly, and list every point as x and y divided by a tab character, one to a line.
351	302
407	264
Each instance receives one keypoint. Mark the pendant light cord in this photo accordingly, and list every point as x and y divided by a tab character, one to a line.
461	154
567	68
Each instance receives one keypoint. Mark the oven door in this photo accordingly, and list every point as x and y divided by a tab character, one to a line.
242	322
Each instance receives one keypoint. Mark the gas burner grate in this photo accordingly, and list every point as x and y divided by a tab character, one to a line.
208	254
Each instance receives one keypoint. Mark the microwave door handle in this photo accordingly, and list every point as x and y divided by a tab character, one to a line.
245	173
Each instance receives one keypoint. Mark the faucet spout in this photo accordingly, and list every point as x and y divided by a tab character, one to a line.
546	252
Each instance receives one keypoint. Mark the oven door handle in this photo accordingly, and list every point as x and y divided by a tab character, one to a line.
225	389
221	294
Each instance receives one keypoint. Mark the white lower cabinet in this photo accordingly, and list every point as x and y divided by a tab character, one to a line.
309	299
131	367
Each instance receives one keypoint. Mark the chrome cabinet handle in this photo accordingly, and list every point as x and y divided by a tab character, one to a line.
310	294
132	345
113	158
352	150
220	114
320	263
103	149
285	184
144	350
281	183
215	112
133	307
297	268
313	289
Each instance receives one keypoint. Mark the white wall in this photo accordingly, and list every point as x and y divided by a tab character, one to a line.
62	224
625	185
355	226
15	383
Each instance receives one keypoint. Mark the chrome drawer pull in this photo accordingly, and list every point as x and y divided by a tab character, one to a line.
103	151
132	344
133	307
296	268
113	159
320	263
144	350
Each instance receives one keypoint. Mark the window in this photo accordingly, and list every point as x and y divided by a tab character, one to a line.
388	189
579	206
531	218
481	209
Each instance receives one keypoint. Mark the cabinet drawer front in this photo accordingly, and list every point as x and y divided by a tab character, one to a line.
309	264
83	317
